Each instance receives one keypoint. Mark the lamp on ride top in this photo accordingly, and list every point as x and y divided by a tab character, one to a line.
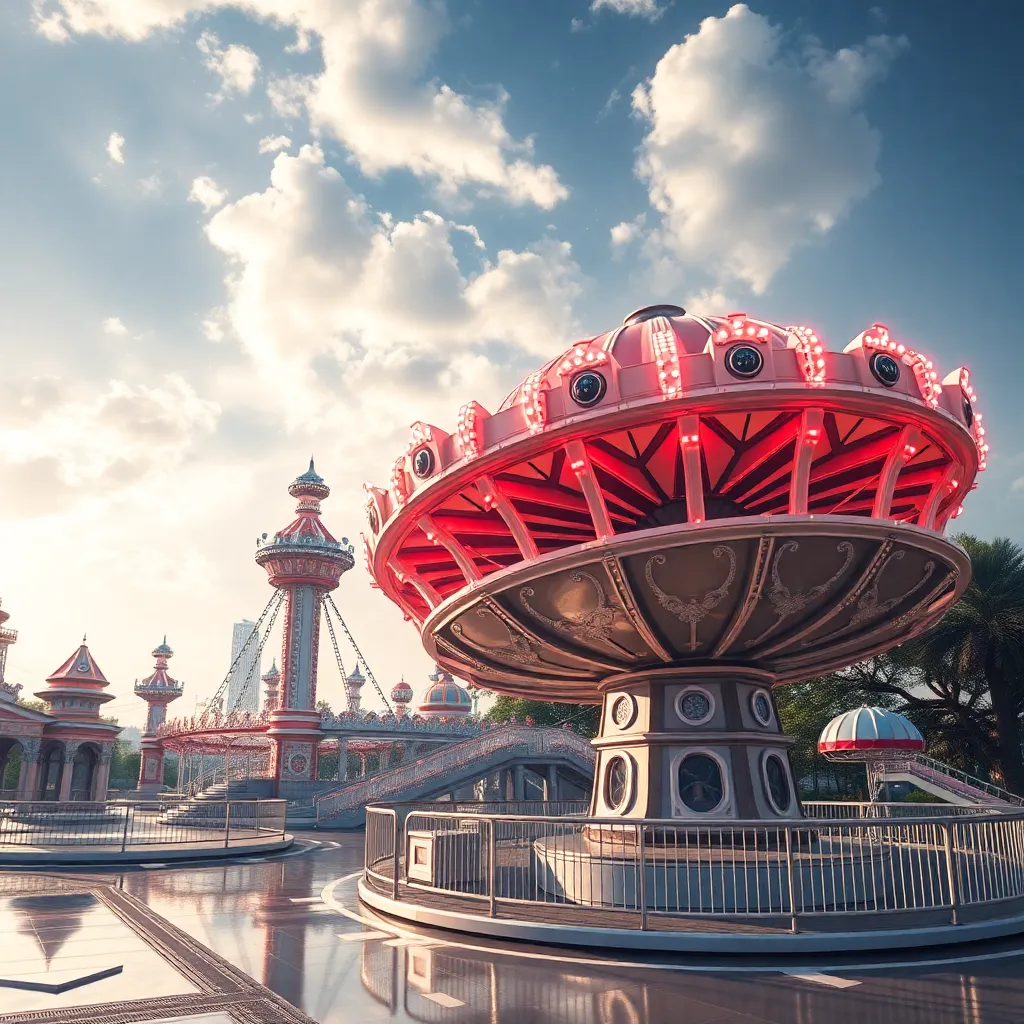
674	517
873	736
158	690
306	562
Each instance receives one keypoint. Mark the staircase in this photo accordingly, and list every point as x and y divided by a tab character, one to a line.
950	784
456	765
206	808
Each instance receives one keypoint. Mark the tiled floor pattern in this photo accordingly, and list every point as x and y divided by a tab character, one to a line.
267	926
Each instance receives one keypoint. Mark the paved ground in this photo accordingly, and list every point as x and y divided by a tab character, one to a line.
267	924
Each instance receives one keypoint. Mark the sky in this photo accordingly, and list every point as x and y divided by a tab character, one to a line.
236	233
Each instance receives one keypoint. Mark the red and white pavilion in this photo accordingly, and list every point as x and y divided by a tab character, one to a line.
66	749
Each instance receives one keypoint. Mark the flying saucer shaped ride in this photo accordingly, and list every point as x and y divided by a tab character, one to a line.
674	517
870	735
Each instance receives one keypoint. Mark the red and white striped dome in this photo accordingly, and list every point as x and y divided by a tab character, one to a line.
401	692
869	734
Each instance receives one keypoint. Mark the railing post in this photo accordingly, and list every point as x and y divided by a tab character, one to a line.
790	881
954	887
227	823
396	867
124	834
257	819
642	880
492	871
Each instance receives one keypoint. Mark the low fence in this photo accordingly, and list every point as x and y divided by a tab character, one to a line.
842	810
118	826
647	873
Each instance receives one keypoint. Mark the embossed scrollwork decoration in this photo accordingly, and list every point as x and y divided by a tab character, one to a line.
786	603
594	626
519	649
692	610
869	607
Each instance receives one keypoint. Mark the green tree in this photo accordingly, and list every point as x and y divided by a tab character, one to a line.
805	709
33	705
962	682
585	718
124	765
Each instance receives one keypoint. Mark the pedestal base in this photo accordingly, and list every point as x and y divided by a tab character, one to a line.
694	744
832	874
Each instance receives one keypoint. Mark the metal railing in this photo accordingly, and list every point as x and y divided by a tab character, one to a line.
514	741
615	873
847	810
956	781
117	827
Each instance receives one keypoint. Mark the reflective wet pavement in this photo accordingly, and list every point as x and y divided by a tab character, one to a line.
340	964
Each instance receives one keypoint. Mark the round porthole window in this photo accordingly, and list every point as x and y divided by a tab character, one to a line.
776	783
744	361
624	711
423	463
761	706
587	388
695	706
616	783
701	786
885	369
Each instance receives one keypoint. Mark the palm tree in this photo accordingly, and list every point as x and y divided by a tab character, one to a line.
980	643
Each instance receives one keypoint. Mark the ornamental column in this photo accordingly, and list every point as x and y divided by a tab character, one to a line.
305	562
28	778
157	690
67	770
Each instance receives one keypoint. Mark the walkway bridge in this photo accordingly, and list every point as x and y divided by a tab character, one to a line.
950	784
561	760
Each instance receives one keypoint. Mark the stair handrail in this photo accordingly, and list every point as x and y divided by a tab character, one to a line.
965	780
513	739
971	780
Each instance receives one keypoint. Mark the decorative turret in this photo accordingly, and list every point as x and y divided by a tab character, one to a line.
353	690
272	688
74	695
76	691
306	562
7	637
158	690
401	696
305	551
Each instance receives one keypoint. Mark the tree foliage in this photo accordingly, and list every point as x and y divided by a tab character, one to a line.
584	718
962	682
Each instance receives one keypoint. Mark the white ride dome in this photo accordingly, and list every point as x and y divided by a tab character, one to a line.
870	734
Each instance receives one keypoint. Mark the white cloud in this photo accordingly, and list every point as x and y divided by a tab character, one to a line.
625	233
114	325
316	275
634	8
235	64
115	147
753	150
207	193
272	143
374	93
152	185
113	438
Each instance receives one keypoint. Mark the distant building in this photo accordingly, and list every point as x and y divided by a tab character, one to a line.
242	697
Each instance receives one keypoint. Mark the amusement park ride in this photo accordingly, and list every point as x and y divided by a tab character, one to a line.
673	518
283	741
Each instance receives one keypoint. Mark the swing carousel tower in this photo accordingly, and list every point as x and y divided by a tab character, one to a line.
305	562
